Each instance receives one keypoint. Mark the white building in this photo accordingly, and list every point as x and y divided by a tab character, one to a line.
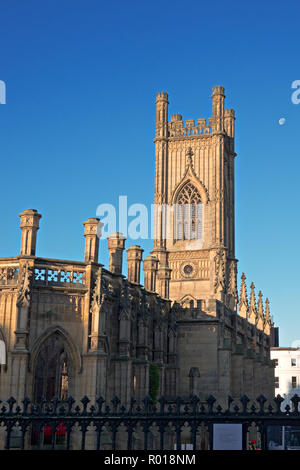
287	372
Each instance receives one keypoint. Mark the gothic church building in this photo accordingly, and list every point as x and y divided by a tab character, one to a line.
77	328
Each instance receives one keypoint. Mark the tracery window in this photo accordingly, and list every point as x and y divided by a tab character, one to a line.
188	214
52	370
52	376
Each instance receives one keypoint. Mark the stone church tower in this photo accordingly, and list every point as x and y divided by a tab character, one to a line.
194	198
194	245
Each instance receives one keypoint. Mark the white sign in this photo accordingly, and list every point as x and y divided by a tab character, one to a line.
227	436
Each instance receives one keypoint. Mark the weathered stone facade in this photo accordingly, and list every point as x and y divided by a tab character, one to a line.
77	328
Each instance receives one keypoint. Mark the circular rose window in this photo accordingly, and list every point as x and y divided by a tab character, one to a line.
188	269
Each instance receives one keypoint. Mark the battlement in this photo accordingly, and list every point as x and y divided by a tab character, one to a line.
177	128
176	117
229	113
161	96
218	90
222	120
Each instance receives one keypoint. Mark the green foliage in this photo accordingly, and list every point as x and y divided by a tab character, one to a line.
153	381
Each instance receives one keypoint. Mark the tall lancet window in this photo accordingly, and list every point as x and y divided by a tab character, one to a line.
52	370
188	214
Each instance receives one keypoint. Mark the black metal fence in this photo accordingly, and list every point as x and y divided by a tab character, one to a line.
161	425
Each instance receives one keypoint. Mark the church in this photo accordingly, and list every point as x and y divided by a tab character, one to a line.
78	328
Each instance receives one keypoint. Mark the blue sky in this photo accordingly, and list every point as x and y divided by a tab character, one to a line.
77	129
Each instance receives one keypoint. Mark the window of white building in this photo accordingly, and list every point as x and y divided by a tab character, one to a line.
293	362
294	382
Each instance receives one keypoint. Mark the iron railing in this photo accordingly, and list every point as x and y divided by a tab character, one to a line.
67	424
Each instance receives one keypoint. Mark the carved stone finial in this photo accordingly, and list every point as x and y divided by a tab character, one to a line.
260	307
252	305
260	312
267	310
267	318
243	303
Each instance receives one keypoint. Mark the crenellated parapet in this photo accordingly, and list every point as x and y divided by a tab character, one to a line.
222	120
178	128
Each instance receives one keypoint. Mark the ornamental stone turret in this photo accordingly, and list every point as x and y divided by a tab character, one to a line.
218	97
162	114
92	233
116	244
163	281
150	269
134	257
229	127
29	226
229	122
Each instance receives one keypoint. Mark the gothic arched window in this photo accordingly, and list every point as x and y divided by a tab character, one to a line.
52	370
188	214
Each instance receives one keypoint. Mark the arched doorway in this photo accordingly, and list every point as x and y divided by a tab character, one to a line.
52	370
51	379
